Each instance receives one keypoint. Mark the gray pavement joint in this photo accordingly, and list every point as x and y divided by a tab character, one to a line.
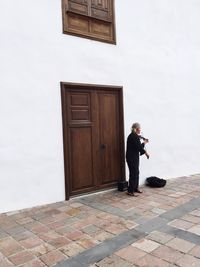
152	225
182	234
129	215
182	209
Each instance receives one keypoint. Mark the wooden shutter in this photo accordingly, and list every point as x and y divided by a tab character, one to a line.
90	18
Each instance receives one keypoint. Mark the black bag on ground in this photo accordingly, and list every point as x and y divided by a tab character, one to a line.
154	181
122	185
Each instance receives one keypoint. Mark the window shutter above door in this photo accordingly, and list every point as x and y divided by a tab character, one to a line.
92	19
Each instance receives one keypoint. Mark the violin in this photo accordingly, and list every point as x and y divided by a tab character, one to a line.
143	138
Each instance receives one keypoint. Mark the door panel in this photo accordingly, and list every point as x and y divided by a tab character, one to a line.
93	137
81	158
109	137
80	148
79	108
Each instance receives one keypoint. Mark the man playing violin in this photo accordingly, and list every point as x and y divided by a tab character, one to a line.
133	152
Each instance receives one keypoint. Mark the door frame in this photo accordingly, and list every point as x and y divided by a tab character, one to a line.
91	87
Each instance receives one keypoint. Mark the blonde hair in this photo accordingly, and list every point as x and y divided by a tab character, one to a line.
135	126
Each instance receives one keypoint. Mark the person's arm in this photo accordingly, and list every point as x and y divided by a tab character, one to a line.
145	142
140	147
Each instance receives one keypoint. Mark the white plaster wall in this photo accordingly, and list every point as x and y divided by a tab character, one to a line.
156	59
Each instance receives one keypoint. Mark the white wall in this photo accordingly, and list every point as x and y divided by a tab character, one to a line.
156	59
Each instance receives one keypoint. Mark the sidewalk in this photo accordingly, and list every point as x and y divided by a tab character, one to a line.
159	228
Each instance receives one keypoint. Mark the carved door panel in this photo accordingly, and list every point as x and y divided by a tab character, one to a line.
93	138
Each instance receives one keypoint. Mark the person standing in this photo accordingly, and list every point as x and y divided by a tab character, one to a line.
134	150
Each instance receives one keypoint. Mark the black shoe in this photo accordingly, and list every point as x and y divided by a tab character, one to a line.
131	194
138	191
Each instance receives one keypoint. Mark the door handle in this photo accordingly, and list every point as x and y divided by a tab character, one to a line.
102	146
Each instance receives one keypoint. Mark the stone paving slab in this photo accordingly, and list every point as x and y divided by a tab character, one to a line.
108	229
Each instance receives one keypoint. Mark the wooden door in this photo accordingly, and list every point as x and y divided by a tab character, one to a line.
93	137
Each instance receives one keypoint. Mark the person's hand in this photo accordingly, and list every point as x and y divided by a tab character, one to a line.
147	155
146	141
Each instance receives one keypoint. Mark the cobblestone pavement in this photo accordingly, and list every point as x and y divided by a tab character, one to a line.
159	228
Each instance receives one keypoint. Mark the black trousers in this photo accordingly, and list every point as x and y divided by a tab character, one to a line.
133	165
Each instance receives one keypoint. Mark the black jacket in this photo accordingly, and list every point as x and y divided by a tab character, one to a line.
134	147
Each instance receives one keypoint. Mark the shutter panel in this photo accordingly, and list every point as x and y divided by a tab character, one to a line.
102	9
75	17
77	6
102	24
